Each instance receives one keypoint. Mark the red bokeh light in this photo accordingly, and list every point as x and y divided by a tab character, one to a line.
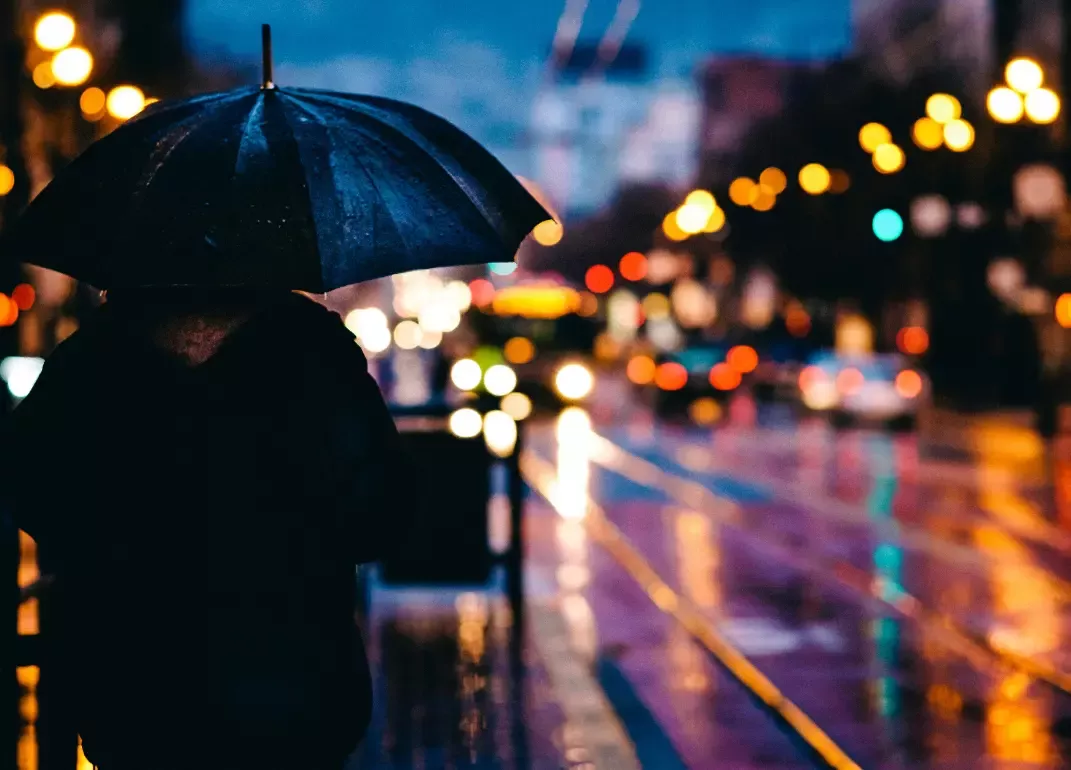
724	377
483	292
633	266
743	359
913	340
24	296
671	376
9	311
599	279
850	380
908	383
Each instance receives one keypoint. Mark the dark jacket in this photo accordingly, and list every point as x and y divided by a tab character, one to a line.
204	524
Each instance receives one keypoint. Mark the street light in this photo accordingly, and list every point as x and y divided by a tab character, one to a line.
54	31
1024	75
1005	105
1042	106
72	66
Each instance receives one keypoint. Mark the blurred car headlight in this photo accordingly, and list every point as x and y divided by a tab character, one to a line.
466	423
500	380
574	382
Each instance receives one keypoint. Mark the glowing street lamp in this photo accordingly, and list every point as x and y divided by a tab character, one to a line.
54	31
72	66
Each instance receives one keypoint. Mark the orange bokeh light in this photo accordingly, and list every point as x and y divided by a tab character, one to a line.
908	383
743	359
798	322
24	296
641	370
1063	311
810	377
850	380
671	376
913	340
633	266
724	377
599	279
9	311
483	292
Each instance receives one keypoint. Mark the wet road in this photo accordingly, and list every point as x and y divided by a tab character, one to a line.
901	601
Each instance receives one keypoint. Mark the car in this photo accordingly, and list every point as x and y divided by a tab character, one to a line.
876	389
684	376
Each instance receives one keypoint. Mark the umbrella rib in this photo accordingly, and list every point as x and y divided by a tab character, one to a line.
311	110
462	184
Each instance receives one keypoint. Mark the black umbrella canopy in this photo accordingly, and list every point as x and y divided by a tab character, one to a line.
275	188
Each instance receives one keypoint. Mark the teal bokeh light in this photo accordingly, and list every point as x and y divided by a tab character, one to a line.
888	225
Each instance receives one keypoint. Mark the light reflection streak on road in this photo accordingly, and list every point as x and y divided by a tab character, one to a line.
541	476
1018	720
980	652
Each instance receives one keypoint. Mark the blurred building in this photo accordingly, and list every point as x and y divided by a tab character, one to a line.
739	92
905	38
596	125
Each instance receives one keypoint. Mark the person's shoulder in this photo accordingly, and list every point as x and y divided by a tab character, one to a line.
318	328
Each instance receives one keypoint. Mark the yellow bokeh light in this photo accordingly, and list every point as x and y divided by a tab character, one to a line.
692	218
548	233
959	135
716	221
814	178
943	108
705	411
124	102
1024	75
519	350
774	179
656	306
888	159
742	191
671	229
54	31
873	135
1004	105
42	75
92	101
72	66
1063	311
517	405
7	180
1042	106
701	199
927	133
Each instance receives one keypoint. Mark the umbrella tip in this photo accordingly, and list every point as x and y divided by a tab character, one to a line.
265	39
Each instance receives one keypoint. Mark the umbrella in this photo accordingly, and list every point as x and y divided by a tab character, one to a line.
274	187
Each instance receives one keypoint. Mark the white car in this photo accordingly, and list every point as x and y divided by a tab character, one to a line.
879	389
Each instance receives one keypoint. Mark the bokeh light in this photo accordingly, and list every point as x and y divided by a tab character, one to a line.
641	370
849	381
774	179
72	66
466	374
54	31
633	266
1004	105
765	200
716	221
500	433
574	381
599	279
873	135
724	377
466	423
124	102
42	75
500	380
407	335
888	225
913	340
1042	106
742	358
92	101
704	411
839	181
692	218
927	134
9	311
671	376
742	191
943	108
814	178
7	180
655	306
1063	310
548	233
959	135
1024	74
701	199
519	350
503	268
517	405
482	291
908	384
671	229
888	158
